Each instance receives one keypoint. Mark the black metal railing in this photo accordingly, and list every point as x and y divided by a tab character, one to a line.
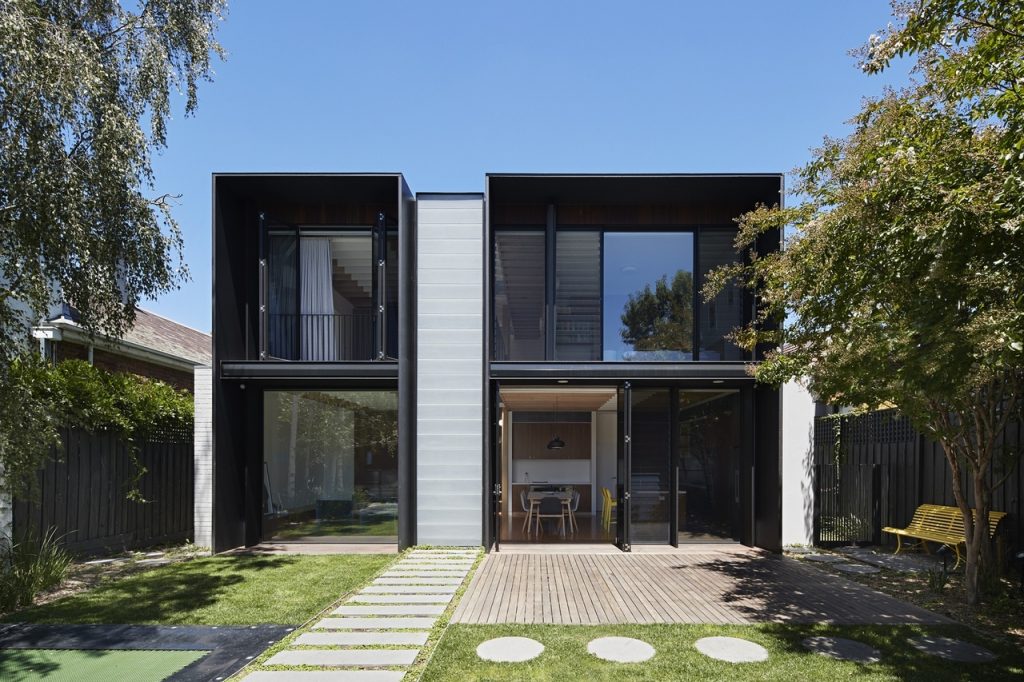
320	337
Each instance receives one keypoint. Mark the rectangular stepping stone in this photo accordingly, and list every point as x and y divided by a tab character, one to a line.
326	676
375	623
335	657
411	610
400	599
362	639
406	580
447	565
442	555
424	573
410	589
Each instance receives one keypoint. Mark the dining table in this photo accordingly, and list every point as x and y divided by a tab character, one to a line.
564	496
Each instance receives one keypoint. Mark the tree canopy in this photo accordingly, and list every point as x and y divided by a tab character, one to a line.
903	278
86	89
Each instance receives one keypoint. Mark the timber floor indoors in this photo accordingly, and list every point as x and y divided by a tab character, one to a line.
590	530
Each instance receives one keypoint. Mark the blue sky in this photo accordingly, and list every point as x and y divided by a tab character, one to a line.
447	91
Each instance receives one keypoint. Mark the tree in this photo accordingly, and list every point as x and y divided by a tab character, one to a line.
903	277
86	87
662	318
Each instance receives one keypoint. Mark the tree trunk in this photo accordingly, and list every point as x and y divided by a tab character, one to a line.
972	555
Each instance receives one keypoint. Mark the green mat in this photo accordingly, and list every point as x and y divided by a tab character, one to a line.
100	665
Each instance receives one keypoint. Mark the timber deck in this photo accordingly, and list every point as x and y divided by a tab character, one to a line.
695	586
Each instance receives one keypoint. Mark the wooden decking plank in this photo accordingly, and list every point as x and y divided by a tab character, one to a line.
689	587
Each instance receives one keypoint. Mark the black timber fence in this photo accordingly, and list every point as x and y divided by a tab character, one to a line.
82	493
874	470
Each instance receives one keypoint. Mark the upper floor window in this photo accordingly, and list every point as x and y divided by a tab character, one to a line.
613	295
329	295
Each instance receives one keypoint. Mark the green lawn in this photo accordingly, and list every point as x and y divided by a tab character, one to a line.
223	590
565	656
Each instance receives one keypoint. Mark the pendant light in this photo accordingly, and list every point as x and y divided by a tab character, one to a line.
556	443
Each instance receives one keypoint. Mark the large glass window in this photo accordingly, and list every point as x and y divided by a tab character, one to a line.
519	295
320	296
648	296
650	478
578	295
330	466
709	461
724	312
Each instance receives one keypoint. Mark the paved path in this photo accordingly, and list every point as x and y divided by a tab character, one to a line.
693	587
378	632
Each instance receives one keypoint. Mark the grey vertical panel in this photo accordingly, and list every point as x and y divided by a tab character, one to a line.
449	369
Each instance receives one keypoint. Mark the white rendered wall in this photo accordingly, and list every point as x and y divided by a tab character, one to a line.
449	370
202	510
797	465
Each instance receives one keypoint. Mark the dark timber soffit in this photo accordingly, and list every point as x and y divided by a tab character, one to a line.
635	188
308	370
702	371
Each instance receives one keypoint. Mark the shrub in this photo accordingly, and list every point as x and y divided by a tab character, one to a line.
30	567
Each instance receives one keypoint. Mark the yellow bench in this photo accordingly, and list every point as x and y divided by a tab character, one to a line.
940	524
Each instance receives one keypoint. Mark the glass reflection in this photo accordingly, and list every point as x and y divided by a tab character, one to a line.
648	296
709	460
330	466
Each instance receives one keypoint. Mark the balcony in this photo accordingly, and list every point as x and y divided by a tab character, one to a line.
321	337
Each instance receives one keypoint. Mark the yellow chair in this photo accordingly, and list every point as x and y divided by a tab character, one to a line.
607	508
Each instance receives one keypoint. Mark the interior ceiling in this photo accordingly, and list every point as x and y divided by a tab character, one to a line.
561	400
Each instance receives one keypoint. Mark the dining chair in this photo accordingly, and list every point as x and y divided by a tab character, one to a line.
528	506
606	510
550	508
572	504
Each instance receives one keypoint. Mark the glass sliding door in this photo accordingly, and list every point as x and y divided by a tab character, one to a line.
709	465
330	466
650	466
330	292
648	296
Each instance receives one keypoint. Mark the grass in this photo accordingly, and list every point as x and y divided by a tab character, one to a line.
565	656
222	590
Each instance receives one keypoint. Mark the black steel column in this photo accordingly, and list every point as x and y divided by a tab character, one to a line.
406	370
549	284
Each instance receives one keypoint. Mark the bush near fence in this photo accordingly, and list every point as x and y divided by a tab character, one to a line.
911	471
82	493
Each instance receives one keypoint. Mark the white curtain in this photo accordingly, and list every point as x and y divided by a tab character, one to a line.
316	297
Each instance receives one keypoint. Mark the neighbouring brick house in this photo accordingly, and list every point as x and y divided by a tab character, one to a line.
154	347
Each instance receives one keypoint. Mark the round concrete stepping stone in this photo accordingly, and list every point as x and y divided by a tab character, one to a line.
843	649
510	649
858	569
731	649
824	558
952	649
621	649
